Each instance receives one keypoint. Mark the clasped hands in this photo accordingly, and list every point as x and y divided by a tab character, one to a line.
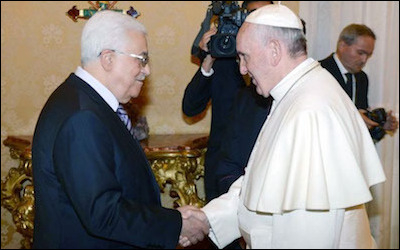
194	225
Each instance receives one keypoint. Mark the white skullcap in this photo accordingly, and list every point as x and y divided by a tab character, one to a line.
276	15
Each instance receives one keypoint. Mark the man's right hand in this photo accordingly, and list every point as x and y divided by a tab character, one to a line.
370	123
206	38
391	124
194	225
208	60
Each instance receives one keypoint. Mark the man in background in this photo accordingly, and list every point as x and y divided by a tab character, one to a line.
354	47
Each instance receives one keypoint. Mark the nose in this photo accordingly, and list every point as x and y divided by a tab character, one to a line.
364	58
146	69
242	67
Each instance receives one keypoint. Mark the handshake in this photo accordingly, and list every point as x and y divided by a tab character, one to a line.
194	225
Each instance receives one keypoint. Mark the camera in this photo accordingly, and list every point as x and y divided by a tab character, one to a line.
230	18
379	116
223	43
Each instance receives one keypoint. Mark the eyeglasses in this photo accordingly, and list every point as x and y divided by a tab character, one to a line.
144	60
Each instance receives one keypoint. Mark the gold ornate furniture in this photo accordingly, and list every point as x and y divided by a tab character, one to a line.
17	188
178	160
175	159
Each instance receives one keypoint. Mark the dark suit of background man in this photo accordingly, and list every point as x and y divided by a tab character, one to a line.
249	112
354	47
94	187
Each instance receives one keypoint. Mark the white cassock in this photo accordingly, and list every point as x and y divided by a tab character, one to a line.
308	175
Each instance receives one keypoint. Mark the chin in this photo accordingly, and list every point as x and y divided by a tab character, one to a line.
135	95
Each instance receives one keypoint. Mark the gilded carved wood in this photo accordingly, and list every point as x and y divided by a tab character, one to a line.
181	170
17	194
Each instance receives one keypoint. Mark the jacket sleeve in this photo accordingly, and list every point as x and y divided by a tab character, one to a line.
197	94
362	91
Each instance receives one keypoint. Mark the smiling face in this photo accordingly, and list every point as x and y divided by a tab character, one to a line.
127	73
355	56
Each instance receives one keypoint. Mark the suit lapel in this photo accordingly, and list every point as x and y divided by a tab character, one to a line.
334	69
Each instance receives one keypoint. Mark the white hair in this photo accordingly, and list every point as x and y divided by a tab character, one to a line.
293	39
107	29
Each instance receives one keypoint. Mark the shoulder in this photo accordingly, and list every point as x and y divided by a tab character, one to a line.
319	91
328	62
85	124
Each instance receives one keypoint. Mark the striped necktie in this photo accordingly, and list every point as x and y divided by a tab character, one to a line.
123	115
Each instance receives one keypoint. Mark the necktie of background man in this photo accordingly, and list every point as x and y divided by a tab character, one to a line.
349	85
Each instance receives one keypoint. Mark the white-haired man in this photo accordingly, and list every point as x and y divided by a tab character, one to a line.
94	187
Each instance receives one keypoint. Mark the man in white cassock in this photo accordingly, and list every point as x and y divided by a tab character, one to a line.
314	161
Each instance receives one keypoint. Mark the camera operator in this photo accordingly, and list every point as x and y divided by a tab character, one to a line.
354	47
217	80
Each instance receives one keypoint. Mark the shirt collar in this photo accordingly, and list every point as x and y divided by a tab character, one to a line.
342	69
104	92
280	90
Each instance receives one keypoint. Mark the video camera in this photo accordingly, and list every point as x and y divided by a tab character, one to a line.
230	18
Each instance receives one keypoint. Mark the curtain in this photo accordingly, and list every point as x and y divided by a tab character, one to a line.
324	22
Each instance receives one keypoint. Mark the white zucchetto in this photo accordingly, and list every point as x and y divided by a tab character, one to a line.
276	15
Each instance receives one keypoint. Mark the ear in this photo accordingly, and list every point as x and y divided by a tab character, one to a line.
274	52
342	45
107	60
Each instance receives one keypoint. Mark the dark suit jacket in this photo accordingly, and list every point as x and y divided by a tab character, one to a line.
221	88
249	112
94	187
361	96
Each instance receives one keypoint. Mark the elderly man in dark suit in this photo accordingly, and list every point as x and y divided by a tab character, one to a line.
94	187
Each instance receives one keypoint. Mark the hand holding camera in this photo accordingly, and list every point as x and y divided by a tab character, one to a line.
380	123
203	44
222	43
391	124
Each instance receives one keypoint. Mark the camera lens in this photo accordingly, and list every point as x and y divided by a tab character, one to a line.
223	46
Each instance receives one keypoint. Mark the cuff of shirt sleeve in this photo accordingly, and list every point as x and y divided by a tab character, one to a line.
207	74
